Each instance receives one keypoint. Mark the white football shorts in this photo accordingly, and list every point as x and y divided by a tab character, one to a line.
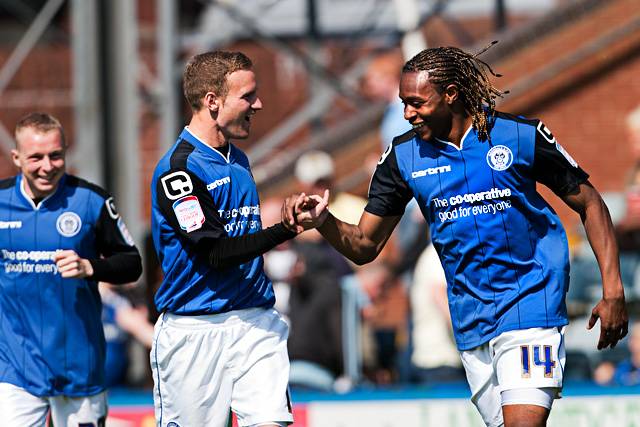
204	365
19	408
515	361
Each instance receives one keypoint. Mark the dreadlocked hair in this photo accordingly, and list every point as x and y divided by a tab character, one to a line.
450	65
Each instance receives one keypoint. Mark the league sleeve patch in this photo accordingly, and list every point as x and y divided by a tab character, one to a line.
125	232
189	213
548	136
566	155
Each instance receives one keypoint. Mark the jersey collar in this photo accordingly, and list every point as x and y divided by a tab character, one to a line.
28	200
200	144
462	140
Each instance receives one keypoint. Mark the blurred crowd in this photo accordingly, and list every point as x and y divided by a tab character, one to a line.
388	322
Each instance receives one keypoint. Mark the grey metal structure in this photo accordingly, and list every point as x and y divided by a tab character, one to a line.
86	92
168	72
107	102
124	113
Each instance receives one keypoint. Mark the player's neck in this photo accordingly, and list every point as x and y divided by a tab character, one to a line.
459	127
208	132
34	194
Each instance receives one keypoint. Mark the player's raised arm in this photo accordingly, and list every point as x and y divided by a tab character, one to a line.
360	243
611	309
207	235
387	198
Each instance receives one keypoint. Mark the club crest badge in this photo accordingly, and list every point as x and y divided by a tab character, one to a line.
189	213
68	224
499	157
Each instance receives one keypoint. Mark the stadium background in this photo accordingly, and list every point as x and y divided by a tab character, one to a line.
110	70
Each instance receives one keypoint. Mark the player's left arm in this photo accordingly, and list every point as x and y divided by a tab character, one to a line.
120	261
556	169
611	309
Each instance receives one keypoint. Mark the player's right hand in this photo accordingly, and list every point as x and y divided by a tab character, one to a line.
614	321
289	207
71	265
313	210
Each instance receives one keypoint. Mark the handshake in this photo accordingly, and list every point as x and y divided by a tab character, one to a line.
302	212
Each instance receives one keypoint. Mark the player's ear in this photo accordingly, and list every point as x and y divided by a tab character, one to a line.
211	102
451	93
15	156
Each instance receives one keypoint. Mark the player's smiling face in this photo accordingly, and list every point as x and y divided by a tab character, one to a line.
239	105
41	159
424	106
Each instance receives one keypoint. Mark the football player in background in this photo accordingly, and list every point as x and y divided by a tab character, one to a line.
59	236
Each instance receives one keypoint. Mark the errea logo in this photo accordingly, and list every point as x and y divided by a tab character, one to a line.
218	182
10	224
431	171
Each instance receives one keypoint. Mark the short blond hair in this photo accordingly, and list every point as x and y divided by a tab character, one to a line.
41	122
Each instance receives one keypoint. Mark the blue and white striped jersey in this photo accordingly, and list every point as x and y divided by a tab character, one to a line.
503	248
51	336
198	193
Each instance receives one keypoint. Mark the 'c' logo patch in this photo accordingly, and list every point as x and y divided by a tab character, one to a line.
111	208
386	153
499	157
545	132
176	185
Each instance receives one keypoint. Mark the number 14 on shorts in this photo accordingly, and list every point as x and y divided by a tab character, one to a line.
541	356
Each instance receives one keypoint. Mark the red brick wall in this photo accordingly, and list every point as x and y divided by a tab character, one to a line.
590	124
588	120
587	115
42	83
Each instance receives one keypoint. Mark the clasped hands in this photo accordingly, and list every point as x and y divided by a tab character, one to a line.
302	212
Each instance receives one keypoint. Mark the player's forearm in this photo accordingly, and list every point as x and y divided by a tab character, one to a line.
601	235
233	251
119	268
349	240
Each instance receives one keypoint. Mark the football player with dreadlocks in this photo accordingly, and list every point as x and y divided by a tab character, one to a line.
473	171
